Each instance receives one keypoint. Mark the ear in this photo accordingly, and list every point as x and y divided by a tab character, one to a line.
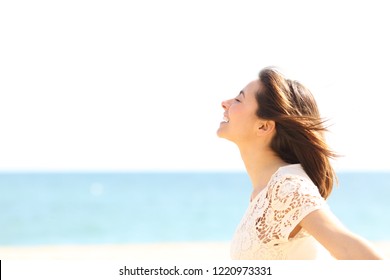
265	127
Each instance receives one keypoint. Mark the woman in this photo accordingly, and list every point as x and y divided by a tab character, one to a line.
277	127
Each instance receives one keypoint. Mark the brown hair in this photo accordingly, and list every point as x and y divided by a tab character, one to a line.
300	129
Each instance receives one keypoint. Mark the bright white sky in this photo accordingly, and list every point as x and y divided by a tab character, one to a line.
137	85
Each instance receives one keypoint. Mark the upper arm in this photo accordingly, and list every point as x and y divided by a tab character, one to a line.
336	238
323	226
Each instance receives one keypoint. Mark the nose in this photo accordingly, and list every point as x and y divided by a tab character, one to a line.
225	104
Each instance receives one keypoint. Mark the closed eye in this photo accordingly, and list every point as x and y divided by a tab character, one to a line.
241	93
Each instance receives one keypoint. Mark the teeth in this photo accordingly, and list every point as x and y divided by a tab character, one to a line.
225	119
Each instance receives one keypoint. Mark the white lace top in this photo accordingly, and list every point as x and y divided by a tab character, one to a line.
274	213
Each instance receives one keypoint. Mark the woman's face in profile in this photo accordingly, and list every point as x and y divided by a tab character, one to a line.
239	119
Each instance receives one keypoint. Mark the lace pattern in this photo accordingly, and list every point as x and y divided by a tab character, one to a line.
271	217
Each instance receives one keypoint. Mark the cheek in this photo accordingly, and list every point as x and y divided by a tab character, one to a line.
248	117
247	125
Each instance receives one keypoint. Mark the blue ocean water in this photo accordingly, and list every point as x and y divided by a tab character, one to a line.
98	208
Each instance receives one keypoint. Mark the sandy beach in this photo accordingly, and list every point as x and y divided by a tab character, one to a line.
140	252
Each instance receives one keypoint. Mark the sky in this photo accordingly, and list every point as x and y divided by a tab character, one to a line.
138	85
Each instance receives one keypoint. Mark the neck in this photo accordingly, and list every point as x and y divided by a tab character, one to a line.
260	165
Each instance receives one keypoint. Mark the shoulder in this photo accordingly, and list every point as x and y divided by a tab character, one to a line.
292	181
293	171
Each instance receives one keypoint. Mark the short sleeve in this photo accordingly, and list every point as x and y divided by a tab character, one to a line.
291	198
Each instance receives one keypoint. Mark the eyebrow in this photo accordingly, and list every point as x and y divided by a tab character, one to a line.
243	93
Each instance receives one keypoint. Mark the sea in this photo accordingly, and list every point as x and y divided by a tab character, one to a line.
49	208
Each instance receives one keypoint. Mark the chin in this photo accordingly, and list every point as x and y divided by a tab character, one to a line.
221	131
222	135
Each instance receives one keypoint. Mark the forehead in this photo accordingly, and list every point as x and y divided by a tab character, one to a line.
252	88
